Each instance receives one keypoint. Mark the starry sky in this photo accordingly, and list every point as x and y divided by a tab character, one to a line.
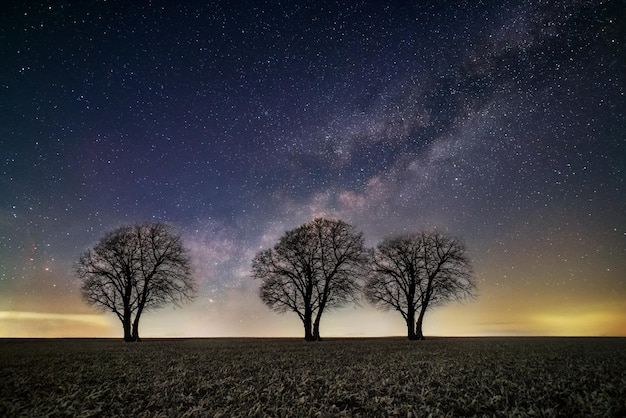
501	122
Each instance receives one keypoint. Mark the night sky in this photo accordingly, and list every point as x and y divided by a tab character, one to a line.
501	122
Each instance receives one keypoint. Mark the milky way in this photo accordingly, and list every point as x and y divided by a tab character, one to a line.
500	122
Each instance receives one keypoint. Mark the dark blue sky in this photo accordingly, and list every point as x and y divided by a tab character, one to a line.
501	122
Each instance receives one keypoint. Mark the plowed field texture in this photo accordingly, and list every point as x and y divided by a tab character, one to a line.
440	377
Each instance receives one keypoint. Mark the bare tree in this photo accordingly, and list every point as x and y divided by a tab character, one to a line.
412	273
134	269
312	268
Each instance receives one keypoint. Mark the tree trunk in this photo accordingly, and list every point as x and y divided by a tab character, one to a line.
410	324
308	332
136	322
128	336
308	326
316	329
418	325
135	335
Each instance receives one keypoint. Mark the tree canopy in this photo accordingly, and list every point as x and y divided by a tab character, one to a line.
412	273
311	269
134	269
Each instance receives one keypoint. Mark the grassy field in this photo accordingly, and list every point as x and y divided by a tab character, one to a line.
336	377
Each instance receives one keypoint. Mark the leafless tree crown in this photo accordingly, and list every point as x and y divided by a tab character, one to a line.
134	269
312	268
414	272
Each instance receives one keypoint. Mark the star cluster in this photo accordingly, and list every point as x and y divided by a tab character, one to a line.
500	122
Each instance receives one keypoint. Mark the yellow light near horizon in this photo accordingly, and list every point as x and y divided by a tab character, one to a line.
24	324
585	323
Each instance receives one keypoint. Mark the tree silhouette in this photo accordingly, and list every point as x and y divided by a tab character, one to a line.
412	273
134	269
312	268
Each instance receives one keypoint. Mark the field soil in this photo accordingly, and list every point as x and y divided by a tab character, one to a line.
454	377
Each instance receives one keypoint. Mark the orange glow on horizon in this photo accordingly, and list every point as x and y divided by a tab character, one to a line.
364	322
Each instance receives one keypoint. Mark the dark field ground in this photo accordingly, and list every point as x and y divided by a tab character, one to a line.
336	377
